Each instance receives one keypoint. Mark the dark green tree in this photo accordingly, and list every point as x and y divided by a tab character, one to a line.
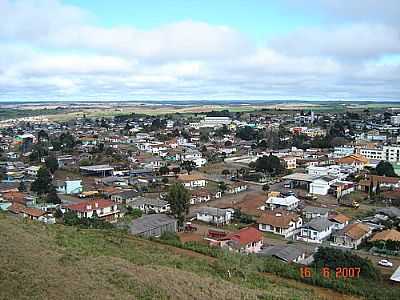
22	187
385	168
52	196
42	184
52	163
188	165
269	164
178	198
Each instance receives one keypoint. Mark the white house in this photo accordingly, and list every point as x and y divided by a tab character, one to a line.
321	185
280	222
246	240
32	170
147	205
192	181
216	216
288	203
105	209
316	230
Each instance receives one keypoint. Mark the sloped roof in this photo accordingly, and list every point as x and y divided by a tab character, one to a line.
246	235
355	230
390	234
277	218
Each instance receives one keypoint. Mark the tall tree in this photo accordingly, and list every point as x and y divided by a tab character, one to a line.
178	198
52	196
385	168
269	164
42	184
52	163
188	165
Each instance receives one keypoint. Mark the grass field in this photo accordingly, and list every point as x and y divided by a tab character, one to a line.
57	262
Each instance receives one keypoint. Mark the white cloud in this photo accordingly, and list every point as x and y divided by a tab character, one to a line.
62	55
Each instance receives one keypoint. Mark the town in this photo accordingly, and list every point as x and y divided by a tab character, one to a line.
292	184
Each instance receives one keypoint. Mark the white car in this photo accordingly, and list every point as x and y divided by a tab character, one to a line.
385	263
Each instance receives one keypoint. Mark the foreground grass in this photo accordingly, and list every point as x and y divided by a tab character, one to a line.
57	262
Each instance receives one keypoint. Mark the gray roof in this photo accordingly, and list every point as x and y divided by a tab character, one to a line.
149	222
316	210
213	211
127	194
390	211
284	252
97	168
319	224
149	201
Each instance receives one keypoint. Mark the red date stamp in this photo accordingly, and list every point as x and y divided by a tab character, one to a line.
339	272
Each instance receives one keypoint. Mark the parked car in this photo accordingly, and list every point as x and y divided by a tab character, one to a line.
385	263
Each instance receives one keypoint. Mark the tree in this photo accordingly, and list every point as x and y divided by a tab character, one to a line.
269	164
178	198
42	184
222	186
52	163
42	136
52	196
188	165
22	187
163	170
385	168
225	172
265	187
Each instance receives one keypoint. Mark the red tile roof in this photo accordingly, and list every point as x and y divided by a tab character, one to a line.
83	206
246	235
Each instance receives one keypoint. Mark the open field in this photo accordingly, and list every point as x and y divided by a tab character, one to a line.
57	262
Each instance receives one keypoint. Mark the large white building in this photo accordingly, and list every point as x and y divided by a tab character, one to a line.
395	120
389	153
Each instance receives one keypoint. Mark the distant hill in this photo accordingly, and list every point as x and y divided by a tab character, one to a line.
57	262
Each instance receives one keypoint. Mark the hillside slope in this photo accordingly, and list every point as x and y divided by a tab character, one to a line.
57	262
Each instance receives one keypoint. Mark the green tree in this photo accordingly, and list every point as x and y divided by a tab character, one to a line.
385	168
164	170
42	184
52	163
188	165
225	172
178	198
52	196
265	187
22	187
269	164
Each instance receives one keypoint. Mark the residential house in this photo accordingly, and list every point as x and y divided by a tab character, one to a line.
148	205
357	161
321	185
69	187
199	196
124	197
289	253
216	216
31	213
289	162
280	222
32	171
104	209
386	235
339	220
316	230
153	225
287	203
351	235
311	212
236	187
246	240
66	161
192	181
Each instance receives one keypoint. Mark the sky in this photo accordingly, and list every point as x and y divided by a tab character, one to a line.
86	50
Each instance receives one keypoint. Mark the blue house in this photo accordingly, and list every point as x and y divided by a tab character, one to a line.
70	187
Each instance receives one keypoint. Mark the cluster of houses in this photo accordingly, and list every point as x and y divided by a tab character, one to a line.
108	167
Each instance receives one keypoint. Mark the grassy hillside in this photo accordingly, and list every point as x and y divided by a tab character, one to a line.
57	262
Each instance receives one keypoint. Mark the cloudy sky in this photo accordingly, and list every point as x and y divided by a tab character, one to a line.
199	49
